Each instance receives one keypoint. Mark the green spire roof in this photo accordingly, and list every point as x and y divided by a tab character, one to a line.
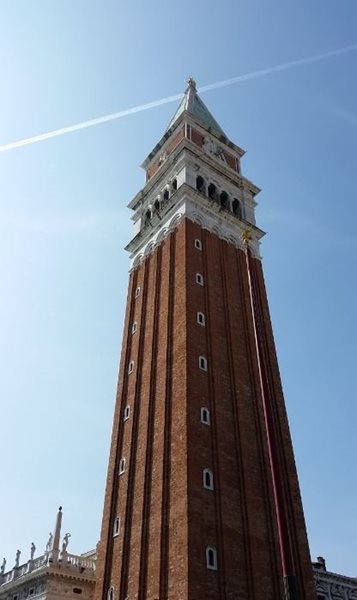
193	104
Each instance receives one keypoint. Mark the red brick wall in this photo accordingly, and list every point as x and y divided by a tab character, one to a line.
173	144
167	517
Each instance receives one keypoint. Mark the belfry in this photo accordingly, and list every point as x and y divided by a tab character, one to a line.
202	497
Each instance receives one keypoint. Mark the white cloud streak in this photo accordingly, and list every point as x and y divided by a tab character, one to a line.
142	107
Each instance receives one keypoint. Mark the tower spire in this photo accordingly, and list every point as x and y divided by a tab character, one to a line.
192	104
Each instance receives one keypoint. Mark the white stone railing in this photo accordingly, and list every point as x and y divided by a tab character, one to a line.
80	562
70	561
22	570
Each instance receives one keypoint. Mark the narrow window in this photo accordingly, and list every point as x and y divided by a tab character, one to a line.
148	215
200	184
212	191
205	416
201	319
166	194
134	327
198	244
199	278
211	558
131	367
122	466
208	479
116	528
110	594
126	413
174	184
202	363
137	292
236	208
157	204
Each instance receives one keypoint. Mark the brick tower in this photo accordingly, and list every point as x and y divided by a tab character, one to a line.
202	498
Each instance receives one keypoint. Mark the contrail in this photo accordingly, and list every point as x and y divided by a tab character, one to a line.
219	84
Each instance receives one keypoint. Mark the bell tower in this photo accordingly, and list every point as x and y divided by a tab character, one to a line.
202	497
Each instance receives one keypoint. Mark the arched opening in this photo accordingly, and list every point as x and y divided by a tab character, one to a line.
200	184
111	594
174	184
157	204
211	558
202	363
166	194
212	191
236	208
223	199
205	417
208	479
201	320
147	215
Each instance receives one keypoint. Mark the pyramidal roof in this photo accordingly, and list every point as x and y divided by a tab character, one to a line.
192	103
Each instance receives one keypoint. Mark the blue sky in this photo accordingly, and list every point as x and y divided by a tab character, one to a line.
64	223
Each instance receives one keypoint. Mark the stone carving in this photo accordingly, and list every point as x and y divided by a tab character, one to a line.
210	147
17	559
49	543
333	590
32	551
3	565
65	542
162	158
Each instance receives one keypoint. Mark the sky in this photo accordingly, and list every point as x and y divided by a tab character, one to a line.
64	224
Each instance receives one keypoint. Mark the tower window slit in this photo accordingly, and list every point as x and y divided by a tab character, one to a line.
208	479
110	594
205	416
126	413
134	327
201	319
131	367
116	528
198	244
211	558
202	363
174	184
199	279
137	292
122	466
